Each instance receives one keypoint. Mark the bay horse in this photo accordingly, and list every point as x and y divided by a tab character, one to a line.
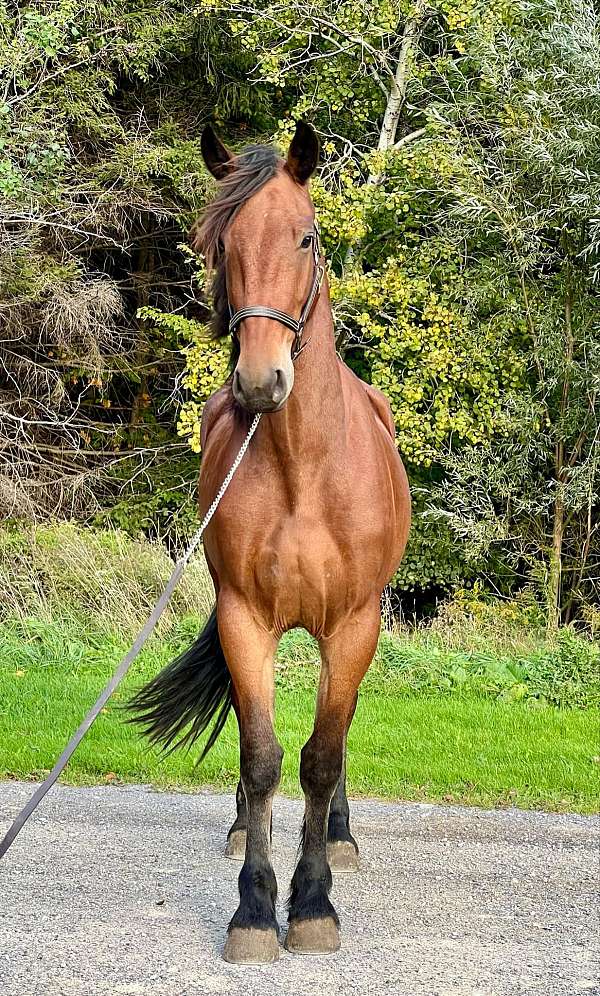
312	528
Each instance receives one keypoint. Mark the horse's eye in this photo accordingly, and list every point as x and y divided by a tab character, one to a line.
306	242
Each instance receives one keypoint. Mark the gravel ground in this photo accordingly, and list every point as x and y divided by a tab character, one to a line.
123	890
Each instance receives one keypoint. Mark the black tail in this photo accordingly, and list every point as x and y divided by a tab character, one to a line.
189	692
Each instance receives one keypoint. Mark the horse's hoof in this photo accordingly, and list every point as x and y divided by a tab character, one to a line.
251	946
342	856
236	845
313	937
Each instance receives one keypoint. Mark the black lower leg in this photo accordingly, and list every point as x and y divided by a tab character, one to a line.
258	893
261	767
241	819
319	772
338	824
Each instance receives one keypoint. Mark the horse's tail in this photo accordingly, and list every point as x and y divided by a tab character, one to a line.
176	707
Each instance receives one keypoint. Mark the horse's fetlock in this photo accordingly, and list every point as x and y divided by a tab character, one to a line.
338	827
309	893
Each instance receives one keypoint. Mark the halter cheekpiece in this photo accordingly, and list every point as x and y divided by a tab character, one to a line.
297	326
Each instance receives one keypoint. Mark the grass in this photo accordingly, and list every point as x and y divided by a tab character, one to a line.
478	707
429	744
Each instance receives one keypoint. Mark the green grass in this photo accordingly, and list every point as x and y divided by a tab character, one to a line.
433	723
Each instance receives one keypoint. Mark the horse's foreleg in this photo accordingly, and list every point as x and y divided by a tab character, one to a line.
249	650
236	838
313	921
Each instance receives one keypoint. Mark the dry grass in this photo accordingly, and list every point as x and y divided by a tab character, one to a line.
106	577
82	318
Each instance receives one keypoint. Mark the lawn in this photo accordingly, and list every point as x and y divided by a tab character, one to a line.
463	730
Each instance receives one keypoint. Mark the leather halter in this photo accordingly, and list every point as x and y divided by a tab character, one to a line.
296	325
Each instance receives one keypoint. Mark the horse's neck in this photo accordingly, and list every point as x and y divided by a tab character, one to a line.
312	420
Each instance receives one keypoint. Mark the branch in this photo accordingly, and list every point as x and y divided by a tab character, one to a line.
408	138
410	36
387	135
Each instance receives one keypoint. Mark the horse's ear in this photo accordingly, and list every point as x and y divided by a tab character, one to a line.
217	156
303	153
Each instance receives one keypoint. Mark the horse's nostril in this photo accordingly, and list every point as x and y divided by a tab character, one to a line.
236	381
280	385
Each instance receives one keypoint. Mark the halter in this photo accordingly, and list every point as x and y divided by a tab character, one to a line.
297	326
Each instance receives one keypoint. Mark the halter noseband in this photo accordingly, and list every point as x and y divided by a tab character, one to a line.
297	326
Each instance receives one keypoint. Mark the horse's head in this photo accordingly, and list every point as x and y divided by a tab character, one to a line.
261	231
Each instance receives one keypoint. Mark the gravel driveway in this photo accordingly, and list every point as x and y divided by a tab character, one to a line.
123	890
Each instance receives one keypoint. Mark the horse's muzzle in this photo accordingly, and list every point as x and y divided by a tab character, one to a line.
268	394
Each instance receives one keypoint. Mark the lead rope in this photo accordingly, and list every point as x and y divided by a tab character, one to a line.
129	658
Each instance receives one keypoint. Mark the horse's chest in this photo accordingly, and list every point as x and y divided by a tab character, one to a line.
310	558
302	573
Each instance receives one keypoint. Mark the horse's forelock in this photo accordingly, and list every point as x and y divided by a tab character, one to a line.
252	168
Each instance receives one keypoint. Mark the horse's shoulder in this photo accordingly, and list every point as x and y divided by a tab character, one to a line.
378	401
215	407
382	408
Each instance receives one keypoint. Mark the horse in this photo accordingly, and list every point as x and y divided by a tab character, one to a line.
312	528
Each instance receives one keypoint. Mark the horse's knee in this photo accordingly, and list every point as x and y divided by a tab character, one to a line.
260	767
321	762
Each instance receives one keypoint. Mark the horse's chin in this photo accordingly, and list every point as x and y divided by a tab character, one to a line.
260	407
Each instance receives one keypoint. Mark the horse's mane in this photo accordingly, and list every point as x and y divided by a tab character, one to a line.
253	167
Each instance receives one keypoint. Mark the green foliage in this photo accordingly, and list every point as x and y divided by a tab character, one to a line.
526	208
459	212
207	366
444	380
160	505
564	673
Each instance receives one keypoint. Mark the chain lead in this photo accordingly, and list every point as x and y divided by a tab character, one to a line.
195	540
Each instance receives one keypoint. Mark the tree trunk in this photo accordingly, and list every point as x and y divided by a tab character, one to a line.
395	101
558	525
410	35
555	566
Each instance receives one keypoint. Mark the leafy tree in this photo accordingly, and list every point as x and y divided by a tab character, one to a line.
100	177
526	209
359	73
458	198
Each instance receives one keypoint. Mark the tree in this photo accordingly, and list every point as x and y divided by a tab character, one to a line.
527	209
458	201
458	198
398	287
101	108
